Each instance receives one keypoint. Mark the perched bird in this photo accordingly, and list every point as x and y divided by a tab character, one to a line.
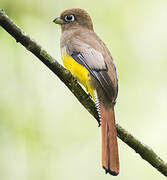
85	55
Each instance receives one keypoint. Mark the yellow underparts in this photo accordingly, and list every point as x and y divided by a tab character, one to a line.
79	71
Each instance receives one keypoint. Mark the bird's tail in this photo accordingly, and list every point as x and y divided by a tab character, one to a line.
110	158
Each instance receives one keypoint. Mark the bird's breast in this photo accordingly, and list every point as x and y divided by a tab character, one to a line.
79	71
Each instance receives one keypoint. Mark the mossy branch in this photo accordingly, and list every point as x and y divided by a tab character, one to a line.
65	76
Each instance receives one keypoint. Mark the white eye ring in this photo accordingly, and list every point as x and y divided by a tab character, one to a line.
69	18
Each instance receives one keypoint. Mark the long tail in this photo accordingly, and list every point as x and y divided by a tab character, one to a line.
110	158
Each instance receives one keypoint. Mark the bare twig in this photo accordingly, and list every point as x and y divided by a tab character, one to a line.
145	152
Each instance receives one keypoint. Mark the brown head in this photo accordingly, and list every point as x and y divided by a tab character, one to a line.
74	18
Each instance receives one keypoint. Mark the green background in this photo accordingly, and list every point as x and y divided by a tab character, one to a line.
44	131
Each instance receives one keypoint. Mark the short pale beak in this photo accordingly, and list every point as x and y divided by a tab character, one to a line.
58	20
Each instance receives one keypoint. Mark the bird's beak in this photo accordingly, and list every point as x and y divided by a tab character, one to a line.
58	20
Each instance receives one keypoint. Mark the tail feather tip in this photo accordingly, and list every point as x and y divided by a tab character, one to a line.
111	172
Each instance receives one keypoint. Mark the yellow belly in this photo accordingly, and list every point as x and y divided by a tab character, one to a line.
79	71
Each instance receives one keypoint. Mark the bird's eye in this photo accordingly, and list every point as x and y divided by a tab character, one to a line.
69	18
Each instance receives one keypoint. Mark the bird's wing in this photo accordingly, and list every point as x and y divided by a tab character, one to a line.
94	62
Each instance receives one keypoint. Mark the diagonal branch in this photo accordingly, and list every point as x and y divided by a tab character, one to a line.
65	76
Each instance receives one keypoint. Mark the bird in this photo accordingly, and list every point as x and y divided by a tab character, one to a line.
86	56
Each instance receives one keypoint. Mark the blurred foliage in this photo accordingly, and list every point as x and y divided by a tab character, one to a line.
44	131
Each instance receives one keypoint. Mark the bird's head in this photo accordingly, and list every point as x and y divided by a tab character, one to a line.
74	18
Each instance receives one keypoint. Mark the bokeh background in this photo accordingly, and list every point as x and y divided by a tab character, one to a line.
44	131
